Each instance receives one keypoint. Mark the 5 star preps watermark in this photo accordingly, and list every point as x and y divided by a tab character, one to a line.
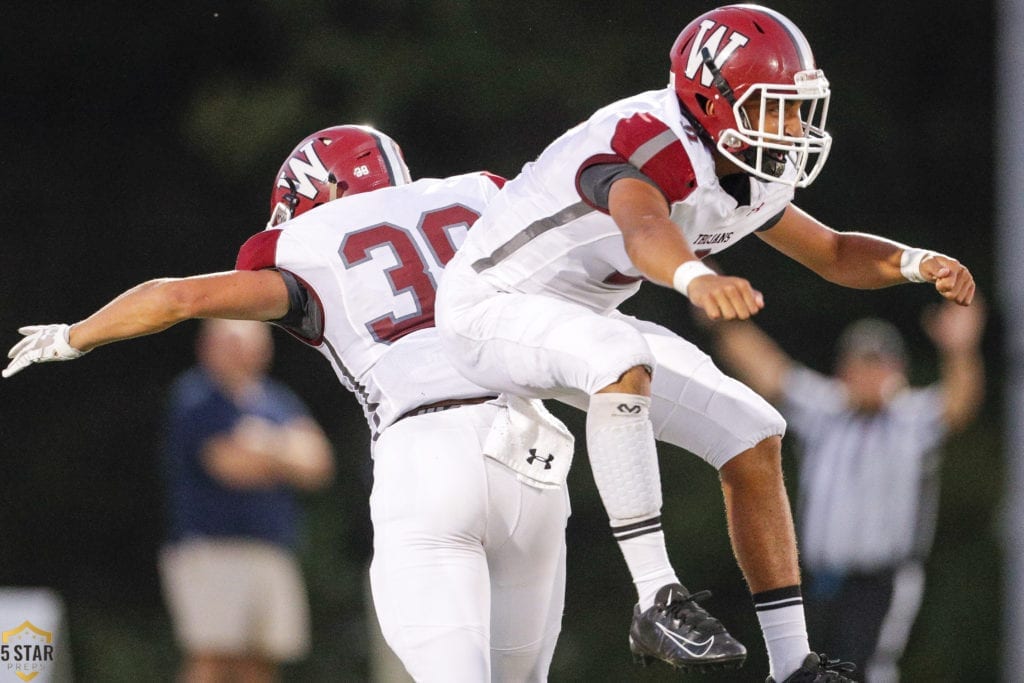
26	650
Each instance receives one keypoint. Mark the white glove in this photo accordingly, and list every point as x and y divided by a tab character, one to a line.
42	344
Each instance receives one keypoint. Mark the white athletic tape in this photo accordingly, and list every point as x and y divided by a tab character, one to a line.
685	274
910	263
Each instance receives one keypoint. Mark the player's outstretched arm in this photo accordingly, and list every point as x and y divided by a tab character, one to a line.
659	250
153	307
864	261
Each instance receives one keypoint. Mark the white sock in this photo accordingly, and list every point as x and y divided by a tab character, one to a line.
647	559
624	460
781	615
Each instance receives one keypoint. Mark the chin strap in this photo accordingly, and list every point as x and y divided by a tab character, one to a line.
284	210
337	189
722	85
723	88
768	164
291	198
716	76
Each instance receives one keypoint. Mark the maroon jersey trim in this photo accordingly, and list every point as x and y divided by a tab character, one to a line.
259	251
496	179
618	279
651	146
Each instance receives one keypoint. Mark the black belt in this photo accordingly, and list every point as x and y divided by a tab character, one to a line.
447	404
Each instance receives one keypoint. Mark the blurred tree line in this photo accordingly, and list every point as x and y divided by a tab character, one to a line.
141	140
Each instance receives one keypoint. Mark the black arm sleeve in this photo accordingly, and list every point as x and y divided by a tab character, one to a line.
770	223
596	181
304	317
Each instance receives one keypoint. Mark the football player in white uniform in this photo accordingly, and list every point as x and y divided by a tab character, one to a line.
642	190
468	572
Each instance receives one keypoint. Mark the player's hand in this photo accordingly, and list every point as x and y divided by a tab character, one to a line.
951	278
724	297
42	344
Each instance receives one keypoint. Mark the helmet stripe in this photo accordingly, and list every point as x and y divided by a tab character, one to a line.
397	161
398	172
803	48
389	162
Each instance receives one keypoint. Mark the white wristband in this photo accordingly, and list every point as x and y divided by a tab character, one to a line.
910	263
685	274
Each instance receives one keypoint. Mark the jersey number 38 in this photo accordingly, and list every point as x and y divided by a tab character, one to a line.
412	274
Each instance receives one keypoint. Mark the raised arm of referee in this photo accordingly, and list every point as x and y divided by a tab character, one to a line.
868	480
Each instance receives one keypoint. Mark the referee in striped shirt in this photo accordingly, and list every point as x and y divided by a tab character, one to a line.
868	477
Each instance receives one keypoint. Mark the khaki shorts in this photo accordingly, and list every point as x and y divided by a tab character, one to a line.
233	596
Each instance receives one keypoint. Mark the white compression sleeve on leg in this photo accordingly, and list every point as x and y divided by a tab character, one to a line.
623	457
624	460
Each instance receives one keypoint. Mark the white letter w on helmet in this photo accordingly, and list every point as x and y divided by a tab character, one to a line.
712	43
303	171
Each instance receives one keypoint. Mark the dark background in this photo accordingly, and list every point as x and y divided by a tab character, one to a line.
142	141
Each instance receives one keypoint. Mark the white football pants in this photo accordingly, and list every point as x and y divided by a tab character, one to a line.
545	347
468	572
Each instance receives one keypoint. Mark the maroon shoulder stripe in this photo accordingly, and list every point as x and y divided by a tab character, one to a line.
651	146
259	251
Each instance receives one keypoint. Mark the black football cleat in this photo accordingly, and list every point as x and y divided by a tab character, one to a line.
678	631
820	669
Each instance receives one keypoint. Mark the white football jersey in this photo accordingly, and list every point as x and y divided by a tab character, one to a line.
542	234
371	263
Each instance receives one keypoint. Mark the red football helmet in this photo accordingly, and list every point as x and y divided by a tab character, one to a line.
335	162
738	53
